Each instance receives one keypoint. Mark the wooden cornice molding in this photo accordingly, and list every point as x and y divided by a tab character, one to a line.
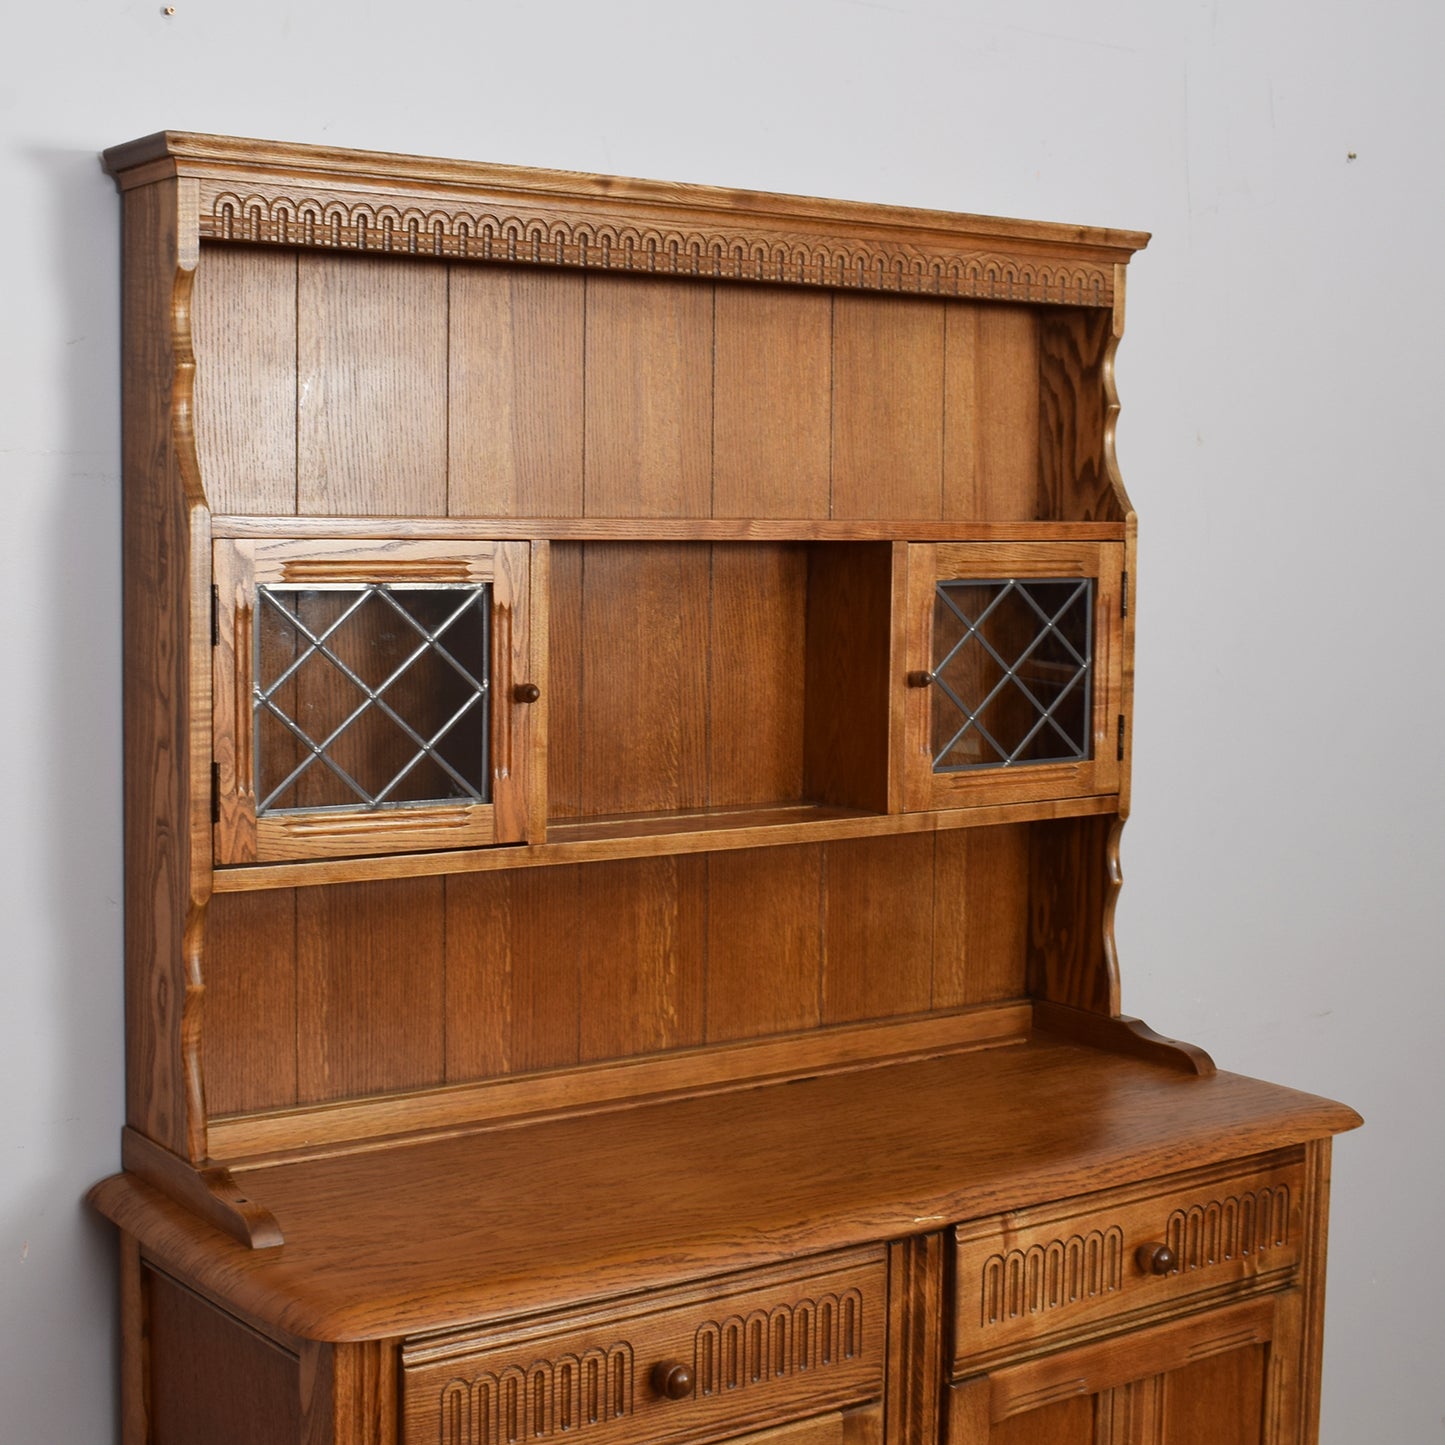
265	193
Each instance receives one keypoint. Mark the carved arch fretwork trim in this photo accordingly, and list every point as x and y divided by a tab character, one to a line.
455	231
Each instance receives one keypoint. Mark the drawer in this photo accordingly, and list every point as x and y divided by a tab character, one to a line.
743	1353
1036	1273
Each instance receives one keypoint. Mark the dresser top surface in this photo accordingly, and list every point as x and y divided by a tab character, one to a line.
438	1233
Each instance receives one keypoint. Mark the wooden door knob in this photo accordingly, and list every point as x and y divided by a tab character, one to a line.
672	1380
920	679
1155	1258
526	692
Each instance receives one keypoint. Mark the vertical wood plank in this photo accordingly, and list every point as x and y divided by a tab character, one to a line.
370	988
533	743
135	1368
1068	889
914	1391
166	564
649	398
479	1006
351	1393
991	460
887	407
565	681
243	328
513	942
913	736
772	403
371	414
849	675
757	628
250	1019
1074	479
980	915
642	956
878	935
764	941
1309	1350
1132	1414
1216	1401
548	926
213	1378
515	388
644	665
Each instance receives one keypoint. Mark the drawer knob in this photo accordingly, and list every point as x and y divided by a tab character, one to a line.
1155	1258
673	1381
526	692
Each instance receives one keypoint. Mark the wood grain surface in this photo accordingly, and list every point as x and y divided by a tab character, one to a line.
991	407
757	643
887	407
648	398
165	547
764	906
514	393
250	1029
243	325
669	1192
213	1379
772	404
370	988
727	1009
371	414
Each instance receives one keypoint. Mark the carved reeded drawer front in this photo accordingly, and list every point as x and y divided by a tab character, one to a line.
1040	1272
742	1353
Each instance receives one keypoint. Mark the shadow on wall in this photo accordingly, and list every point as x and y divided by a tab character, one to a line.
77	723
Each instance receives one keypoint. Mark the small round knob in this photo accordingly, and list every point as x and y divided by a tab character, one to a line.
920	679
1155	1259
672	1380
526	692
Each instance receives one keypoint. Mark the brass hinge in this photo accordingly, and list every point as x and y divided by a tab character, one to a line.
215	792
1124	594
215	616
1121	738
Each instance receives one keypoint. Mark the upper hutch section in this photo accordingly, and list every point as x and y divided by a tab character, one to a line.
512	556
898	373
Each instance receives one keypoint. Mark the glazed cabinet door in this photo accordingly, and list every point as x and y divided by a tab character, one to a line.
375	697
1226	1376
1015	665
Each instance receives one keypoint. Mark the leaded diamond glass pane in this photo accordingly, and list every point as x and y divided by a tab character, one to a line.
371	696
1011	672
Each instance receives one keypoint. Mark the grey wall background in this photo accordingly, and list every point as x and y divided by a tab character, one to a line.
1281	380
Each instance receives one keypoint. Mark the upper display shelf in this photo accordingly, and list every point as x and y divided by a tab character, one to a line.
266	193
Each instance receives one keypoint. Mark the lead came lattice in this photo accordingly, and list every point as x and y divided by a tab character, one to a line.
385	687
1012	683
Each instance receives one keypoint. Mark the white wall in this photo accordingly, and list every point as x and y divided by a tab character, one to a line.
1282	379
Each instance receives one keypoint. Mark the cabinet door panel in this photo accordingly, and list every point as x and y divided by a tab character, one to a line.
1070	1422
1218	1401
364	697
1015	668
1226	1376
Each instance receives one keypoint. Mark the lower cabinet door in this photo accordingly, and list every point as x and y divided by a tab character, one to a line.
1225	1376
